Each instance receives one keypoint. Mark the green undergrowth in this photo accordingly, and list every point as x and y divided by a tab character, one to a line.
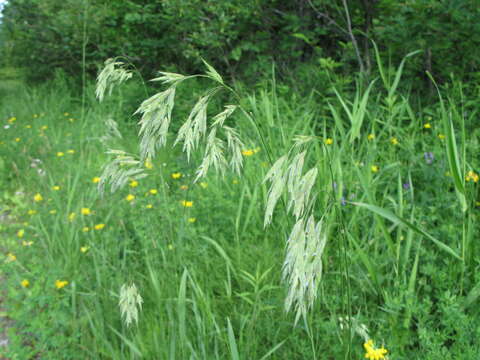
210	273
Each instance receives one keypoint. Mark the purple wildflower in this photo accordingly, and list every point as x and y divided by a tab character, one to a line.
428	156
406	186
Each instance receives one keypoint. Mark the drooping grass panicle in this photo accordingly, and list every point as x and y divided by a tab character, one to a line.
235	146
214	155
114	73
120	170
112	131
130	303
156	117
302	268
195	126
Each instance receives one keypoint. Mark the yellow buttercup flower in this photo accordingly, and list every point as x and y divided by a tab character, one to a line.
374	168
84	249
192	220
12	120
31	212
52	212
44	127
183	187
96	180
59	284
372	353
28	126
27	243
427	126
203	184
10	258
133	183
176	175
248	152
56	188
441	136
37	197
70	151
472	176
149	206
17	139
25	283
20	233
99	226
148	164
394	141
60	154
187	203
328	141
85	211
85	229
371	136
153	191
72	216
130	197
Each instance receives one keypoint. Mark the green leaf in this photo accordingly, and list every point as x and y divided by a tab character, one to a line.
398	220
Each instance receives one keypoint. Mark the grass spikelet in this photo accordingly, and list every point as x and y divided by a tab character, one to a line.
156	116
118	172
114	73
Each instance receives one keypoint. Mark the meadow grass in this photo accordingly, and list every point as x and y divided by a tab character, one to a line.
397	192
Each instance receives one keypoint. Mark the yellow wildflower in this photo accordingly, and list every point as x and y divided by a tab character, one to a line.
99	226
372	353
56	188
72	216
441	136
371	136
31	212
37	197
60	154
28	126
394	141
149	206
133	183
471	175
85	211
20	233
256	150
183	187
204	184
53	212
85	229
12	120
130	197
153	191
248	152
187	203
10	258
176	175
70	151
192	220
25	283
96	180
59	284
27	243
18	139
148	164
374	168
427	126
71	120
84	249
44	127
328	141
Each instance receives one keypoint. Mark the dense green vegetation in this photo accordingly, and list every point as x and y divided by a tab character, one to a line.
303	200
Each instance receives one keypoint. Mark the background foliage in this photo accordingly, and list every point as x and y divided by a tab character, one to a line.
239	37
